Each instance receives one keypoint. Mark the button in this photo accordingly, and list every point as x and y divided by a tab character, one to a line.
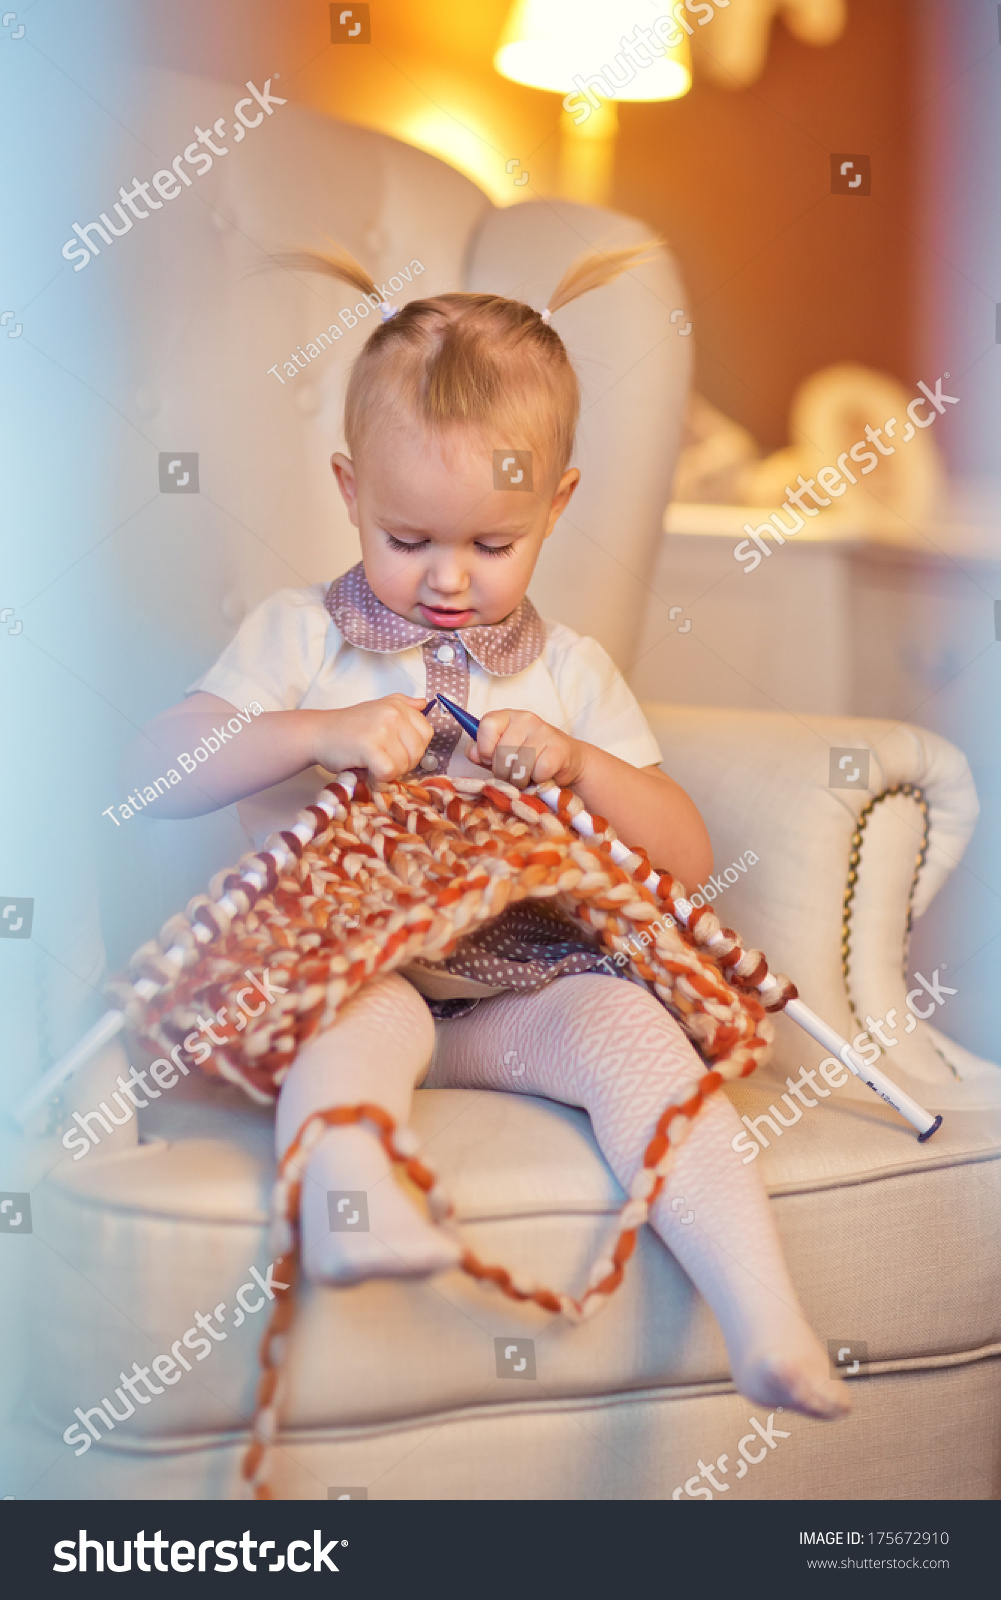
429	762
445	653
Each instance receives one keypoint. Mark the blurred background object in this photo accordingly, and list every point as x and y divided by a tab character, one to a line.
735	55
830	413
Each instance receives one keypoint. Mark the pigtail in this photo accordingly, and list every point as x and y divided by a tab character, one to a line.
598	267
479	360
335	263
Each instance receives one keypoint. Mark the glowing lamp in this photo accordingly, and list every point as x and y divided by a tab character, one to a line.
593	54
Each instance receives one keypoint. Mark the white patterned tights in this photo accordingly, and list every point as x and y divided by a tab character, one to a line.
590	1041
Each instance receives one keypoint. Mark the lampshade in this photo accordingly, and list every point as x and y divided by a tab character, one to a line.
551	44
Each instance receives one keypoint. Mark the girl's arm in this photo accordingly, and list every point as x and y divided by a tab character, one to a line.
644	806
385	737
647	808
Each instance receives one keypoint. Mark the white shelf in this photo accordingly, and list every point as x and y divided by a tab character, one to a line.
727	522
970	525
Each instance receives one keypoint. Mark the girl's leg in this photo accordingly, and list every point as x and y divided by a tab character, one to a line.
610	1047
377	1049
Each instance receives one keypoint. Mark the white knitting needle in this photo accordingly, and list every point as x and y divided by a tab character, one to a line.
112	1022
797	1009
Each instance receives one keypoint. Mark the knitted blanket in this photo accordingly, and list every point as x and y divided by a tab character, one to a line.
376	875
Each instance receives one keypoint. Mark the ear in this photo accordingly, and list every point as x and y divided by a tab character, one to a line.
561	499
344	472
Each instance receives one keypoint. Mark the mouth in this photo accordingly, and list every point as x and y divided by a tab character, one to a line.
446	616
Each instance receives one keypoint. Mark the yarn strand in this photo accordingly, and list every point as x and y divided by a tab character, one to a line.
375	875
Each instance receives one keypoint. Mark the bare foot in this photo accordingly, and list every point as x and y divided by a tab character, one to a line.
357	1220
792	1372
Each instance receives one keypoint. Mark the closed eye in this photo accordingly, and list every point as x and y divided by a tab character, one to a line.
418	544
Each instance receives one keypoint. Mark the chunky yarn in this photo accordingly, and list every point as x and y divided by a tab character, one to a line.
376	875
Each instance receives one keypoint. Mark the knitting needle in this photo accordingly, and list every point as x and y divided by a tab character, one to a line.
113	1021
108	1026
797	1009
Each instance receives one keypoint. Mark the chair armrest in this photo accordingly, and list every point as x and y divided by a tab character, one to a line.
788	849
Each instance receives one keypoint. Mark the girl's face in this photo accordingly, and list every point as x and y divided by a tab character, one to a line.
440	543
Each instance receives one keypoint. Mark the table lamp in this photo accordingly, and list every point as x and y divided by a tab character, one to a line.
593	54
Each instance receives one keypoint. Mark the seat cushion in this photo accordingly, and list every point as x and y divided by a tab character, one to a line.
889	1242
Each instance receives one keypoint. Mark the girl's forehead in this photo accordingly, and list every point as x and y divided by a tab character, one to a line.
457	448
447	495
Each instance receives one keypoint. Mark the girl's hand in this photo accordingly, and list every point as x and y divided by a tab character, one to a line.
386	737
521	749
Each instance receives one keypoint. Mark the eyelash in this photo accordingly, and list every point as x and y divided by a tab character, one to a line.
485	549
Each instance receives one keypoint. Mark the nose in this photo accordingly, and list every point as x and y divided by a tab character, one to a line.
448	576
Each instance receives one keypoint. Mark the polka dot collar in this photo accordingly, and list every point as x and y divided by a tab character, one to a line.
501	648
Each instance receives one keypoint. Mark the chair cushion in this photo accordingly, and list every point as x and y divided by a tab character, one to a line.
888	1241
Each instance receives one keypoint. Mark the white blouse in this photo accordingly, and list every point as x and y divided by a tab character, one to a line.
290	655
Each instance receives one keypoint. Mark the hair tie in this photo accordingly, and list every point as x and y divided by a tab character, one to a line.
386	310
546	315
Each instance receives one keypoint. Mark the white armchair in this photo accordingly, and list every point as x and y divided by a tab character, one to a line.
394	1388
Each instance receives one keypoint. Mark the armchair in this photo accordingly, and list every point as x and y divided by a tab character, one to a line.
394	1389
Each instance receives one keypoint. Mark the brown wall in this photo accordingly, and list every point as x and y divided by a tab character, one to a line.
783	276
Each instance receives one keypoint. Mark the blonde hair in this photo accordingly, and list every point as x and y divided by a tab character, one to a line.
477	360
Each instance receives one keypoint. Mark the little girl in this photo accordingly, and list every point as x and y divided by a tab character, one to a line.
460	418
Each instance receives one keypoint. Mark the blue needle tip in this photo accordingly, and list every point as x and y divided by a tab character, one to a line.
467	723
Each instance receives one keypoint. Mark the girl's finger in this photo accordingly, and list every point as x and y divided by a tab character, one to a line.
412	741
514	765
492	729
547	765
